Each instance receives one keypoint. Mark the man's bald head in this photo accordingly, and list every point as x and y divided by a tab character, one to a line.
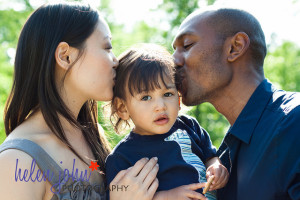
227	22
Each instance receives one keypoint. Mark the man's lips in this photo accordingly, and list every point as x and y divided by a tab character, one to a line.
161	119
179	79
181	87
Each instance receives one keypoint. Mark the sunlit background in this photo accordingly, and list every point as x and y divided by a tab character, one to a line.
156	21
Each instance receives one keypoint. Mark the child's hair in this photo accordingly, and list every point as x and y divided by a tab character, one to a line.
140	70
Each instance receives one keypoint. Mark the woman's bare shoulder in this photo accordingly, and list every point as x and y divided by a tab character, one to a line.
30	129
41	136
19	176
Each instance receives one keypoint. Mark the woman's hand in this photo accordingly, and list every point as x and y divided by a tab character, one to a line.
138	182
185	192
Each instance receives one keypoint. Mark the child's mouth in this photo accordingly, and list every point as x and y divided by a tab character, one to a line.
161	120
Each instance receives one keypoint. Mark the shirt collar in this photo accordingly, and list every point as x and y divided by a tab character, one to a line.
250	115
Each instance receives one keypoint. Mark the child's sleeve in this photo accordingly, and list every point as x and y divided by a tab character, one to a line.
202	139
114	164
205	143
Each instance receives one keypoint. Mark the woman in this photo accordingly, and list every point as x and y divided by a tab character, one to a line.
64	63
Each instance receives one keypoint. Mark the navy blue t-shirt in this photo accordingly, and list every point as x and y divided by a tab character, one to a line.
181	153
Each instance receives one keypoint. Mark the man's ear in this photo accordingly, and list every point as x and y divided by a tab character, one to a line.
122	110
239	45
64	55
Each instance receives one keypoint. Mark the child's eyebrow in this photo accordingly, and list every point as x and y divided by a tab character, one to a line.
171	86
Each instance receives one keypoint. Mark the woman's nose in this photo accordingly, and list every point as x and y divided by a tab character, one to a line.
115	61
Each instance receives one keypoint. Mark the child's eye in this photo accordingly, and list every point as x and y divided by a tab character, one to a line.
168	94
145	98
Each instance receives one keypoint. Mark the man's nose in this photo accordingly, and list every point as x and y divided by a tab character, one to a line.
178	58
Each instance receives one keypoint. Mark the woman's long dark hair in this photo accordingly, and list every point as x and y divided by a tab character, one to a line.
34	75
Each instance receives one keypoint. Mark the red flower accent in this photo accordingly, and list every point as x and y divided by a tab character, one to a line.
94	165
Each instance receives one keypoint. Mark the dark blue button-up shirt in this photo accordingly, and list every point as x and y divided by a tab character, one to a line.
264	148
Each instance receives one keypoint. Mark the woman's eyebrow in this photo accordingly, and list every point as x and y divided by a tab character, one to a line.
107	37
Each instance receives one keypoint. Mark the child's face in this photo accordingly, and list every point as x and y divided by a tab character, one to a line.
154	112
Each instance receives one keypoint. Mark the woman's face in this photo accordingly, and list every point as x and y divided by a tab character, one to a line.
92	76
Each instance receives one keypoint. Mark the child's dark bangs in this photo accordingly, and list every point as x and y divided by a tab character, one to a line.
145	76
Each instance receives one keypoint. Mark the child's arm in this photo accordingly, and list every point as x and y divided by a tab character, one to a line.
221	175
185	192
208	153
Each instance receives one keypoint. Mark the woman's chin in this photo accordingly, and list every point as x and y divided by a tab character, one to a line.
105	98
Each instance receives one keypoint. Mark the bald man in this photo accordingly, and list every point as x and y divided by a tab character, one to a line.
219	56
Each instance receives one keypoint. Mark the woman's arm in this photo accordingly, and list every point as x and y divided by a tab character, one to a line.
15	181
138	182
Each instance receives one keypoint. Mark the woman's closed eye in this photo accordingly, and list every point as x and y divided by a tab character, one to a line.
108	47
146	98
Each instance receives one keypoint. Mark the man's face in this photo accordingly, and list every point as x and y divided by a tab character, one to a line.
198	54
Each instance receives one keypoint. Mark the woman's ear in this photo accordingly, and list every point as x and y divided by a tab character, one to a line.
239	45
122	110
64	55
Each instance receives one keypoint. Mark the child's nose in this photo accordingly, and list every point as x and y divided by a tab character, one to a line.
160	105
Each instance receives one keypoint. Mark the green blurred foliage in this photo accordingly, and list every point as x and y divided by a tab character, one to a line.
6	73
281	65
177	11
212	121
10	26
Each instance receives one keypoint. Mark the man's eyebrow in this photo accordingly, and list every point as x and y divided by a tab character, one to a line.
180	36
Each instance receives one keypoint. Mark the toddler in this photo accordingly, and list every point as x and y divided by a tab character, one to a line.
145	93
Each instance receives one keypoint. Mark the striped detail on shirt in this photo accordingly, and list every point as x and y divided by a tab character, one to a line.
183	140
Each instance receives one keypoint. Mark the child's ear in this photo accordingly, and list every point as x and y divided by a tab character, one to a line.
121	109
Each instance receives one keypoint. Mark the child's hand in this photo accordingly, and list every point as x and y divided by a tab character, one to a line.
220	174
185	192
